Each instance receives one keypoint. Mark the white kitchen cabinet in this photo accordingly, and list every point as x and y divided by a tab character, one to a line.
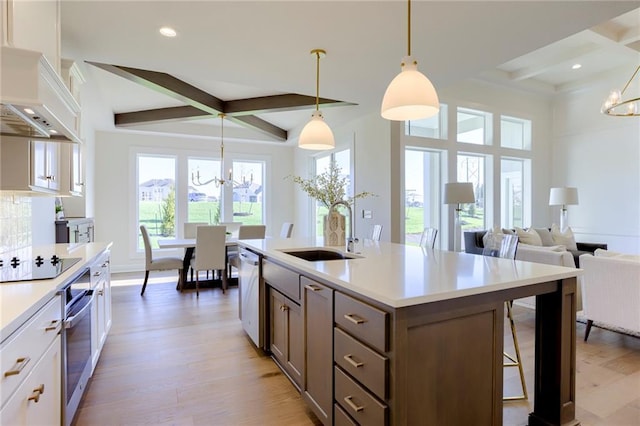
71	170
101	313
33	25
29	166
30	375
37	401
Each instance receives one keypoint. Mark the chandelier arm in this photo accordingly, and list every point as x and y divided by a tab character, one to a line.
408	27
630	80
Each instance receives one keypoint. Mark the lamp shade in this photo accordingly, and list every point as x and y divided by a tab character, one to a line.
563	196
410	95
316	134
458	193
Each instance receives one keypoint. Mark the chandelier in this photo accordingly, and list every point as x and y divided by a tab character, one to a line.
617	106
218	181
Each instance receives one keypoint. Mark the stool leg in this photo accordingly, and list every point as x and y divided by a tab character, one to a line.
518	361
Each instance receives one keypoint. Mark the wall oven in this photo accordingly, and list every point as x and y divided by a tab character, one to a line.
76	340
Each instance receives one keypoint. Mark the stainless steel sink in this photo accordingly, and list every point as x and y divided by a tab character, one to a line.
318	255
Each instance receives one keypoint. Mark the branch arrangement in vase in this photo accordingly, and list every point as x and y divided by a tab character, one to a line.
329	186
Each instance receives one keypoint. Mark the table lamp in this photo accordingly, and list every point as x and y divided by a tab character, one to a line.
458	193
563	197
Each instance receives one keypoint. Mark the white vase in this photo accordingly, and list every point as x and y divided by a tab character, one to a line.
334	229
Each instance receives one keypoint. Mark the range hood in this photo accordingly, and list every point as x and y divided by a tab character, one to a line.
35	103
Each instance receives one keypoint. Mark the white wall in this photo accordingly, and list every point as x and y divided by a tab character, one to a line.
368	138
600	155
115	181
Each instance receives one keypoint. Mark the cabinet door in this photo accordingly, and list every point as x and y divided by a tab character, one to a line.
295	342
77	175
39	164
277	326
38	400
318	331
52	167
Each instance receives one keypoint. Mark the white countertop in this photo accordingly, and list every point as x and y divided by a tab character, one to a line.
398	275
20	300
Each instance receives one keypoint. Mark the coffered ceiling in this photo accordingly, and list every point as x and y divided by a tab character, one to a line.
247	49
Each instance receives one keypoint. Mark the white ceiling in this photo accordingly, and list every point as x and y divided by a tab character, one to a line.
240	49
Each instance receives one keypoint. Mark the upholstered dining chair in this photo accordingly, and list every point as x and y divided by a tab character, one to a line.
286	230
376	232
428	238
157	264
232	227
190	232
246	232
505	246
210	253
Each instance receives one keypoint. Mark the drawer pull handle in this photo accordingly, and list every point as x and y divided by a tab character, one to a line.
355	319
284	308
35	396
354	407
100	292
96	274
53	326
313	287
20	363
350	360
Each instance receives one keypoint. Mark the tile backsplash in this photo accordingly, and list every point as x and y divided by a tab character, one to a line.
15	222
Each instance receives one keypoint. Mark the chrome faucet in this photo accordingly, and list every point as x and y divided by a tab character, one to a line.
351	241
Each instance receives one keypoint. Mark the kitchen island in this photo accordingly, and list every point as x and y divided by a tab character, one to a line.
401	335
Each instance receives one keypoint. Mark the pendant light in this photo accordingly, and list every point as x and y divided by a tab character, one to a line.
410	95
317	134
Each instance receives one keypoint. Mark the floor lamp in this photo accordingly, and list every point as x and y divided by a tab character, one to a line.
563	197
458	193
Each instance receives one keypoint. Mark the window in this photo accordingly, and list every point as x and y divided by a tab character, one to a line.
474	126
156	183
433	127
248	192
343	160
471	168
203	195
515	197
515	132
422	192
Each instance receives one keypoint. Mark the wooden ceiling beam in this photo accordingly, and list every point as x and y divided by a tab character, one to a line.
261	126
124	119
276	103
168	85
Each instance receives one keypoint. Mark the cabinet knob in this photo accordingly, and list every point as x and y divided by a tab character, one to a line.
17	368
100	292
53	325
35	396
284	308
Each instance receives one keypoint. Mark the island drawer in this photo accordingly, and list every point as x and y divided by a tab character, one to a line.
21	352
363	321
363	407
340	418
364	364
283	279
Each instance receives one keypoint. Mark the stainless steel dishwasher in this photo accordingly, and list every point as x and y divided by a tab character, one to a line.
250	295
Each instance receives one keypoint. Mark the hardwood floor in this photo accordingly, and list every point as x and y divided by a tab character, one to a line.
171	358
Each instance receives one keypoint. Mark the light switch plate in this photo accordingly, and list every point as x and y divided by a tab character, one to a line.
366	214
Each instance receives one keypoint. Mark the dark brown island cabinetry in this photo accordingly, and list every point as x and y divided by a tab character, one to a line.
285	320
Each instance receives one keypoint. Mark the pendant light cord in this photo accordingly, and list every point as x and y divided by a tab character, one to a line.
221	148
630	80
317	79
408	27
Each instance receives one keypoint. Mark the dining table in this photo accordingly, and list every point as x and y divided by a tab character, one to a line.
189	246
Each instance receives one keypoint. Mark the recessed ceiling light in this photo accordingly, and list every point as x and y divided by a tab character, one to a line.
168	32
29	111
576	66
53	131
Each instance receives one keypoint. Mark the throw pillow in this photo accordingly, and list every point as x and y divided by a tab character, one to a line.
605	253
565	238
545	236
529	236
487	235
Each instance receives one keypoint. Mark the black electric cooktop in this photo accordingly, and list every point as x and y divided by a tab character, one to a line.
40	268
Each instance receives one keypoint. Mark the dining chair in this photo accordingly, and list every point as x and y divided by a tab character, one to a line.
232	227
286	230
428	238
157	264
190	228
505	246
210	253
376	232
246	232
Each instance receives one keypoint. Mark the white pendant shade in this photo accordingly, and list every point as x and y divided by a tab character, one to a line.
316	134
410	95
